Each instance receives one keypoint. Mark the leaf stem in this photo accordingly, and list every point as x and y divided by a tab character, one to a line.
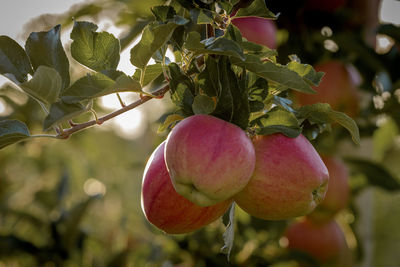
80	126
120	100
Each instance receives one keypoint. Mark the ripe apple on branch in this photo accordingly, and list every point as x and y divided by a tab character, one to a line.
234	133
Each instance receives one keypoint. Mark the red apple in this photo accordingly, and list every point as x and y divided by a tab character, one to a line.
289	178
337	88
324	242
338	193
325	5
165	208
209	160
257	30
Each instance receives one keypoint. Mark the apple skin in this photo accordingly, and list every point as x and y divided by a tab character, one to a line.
209	160
324	242
165	208
289	179
338	193
337	88
257	30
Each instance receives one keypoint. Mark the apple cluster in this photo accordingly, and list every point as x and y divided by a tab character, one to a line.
207	163
318	234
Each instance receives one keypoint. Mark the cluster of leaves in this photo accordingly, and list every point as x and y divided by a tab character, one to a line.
66	234
215	72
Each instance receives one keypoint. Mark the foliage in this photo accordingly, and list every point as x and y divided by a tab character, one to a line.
214	71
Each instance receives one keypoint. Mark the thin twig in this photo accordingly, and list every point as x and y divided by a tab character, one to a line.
120	100
80	126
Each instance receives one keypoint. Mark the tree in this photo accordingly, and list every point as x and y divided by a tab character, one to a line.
215	72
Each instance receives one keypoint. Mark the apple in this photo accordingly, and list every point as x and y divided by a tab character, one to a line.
338	193
257	30
165	208
289	178
324	242
325	5
337	88
209	160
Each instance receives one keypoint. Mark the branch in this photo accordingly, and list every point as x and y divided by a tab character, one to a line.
80	126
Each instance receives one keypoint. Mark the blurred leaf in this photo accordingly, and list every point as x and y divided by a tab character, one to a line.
275	72
11	245
96	50
120	259
203	104
12	131
154	36
278	120
377	227
383	138
375	173
45	85
14	62
323	113
390	30
47	198
217	46
168	121
45	48
61	111
72	221
229	234
256	9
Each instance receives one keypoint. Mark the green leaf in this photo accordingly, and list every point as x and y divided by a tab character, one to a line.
203	104
216	46
45	48
229	234
163	13
278	120
96	50
173	118
238	92
98	84
275	73
307	72
44	86
323	113
154	36
256	9
225	102
375	173
202	16
12	131
61	111
182	89
14	62
150	73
